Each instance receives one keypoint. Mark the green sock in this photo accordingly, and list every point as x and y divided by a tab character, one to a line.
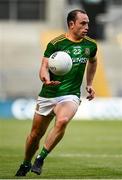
26	162
43	154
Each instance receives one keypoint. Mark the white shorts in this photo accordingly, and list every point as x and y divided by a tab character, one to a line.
45	106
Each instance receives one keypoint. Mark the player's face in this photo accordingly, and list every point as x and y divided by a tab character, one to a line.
80	26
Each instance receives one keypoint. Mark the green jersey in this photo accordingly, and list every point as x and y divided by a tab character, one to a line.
80	52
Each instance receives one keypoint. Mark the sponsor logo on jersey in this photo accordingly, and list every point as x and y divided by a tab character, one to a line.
80	60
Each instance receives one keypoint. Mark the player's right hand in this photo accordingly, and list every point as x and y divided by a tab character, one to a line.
50	83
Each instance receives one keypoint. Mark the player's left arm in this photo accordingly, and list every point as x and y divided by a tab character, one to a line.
90	73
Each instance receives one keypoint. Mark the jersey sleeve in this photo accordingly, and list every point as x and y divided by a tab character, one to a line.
49	50
94	51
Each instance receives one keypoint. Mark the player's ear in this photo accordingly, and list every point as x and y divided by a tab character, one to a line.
71	24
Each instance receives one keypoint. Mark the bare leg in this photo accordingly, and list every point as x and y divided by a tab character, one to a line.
40	124
39	127
64	113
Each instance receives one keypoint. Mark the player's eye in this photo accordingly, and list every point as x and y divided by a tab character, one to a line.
83	23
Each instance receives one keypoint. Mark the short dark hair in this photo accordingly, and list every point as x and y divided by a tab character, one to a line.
73	14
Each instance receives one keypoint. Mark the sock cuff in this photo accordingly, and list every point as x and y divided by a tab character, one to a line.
43	154
45	149
26	162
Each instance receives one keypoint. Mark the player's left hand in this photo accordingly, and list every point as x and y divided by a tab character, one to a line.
91	93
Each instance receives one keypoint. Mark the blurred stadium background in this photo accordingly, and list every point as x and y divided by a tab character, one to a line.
90	149
25	28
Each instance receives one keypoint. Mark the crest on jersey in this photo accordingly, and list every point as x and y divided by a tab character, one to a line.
87	51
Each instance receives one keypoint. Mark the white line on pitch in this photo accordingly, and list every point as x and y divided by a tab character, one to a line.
88	155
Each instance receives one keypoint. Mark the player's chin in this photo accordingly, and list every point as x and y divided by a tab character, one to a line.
84	34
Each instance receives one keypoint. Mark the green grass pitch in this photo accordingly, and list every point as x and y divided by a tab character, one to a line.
89	150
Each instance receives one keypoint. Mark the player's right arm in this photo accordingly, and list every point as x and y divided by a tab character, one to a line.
44	73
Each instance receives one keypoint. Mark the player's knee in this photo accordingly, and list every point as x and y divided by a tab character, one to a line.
35	135
62	123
